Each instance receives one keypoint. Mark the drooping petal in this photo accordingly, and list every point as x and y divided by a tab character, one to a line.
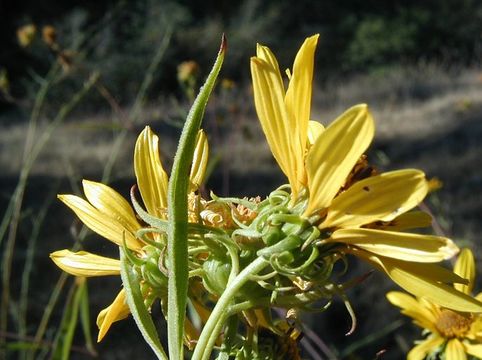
335	152
425	347
116	311
200	161
455	350
409	220
99	222
377	198
314	130
473	349
151	177
111	203
422	316
465	268
398	245
277	125
424	280
298	99
85	264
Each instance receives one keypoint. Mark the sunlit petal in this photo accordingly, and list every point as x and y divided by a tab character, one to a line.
83	263
151	177
335	152
455	350
111	203
424	280
99	222
116	311
465	267
398	245
200	161
377	198
426	347
422	316
277	126
298	100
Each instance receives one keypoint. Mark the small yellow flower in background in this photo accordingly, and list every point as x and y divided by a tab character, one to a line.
26	34
108	214
359	214
49	35
455	334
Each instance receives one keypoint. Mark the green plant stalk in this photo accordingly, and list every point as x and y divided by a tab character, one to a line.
221	311
177	245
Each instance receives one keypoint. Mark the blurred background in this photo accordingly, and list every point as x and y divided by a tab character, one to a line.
80	79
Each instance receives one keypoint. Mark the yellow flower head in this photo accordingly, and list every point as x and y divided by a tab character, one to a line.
456	334
108	214
361	212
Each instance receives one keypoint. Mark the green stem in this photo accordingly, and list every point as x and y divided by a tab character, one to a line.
212	328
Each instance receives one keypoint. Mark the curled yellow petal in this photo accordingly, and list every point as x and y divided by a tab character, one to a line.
151	178
424	280
465	268
377	198
200	161
116	311
277	125
335	152
83	263
298	100
111	203
99	222
398	245
422	316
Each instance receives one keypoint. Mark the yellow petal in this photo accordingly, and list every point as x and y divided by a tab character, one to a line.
398	245
473	349
111	203
424	280
151	177
465	268
409	220
298	98
99	222
425	348
422	316
455	350
277	125
116	311
200	161
82	263
314	131
377	198
335	152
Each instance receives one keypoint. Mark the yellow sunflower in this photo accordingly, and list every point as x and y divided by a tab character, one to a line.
362	213
108	214
456	334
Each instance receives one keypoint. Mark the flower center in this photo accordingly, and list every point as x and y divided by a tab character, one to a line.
452	324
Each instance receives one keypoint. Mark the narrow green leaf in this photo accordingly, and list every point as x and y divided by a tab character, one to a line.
141	315
177	248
